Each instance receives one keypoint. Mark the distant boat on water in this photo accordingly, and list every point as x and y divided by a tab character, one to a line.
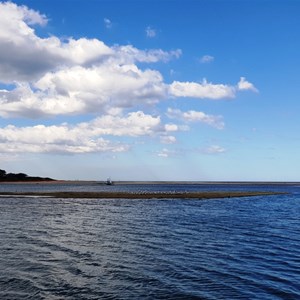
109	181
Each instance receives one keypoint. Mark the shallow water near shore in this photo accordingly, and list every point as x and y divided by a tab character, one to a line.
239	248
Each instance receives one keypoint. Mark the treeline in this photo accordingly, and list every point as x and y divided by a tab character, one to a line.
20	177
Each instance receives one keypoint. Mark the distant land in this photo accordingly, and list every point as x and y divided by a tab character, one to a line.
20	177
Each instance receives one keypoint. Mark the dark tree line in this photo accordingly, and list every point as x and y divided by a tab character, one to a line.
19	177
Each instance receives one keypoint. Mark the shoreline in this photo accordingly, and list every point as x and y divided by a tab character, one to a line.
98	182
150	195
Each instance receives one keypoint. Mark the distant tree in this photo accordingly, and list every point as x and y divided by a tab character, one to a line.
2	173
21	176
10	176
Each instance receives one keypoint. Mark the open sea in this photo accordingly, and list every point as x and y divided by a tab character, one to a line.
235	248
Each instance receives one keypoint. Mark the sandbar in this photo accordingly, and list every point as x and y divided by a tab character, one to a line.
144	195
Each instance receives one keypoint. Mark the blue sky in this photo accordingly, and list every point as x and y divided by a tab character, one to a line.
150	90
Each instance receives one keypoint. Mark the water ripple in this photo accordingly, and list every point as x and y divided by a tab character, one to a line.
150	249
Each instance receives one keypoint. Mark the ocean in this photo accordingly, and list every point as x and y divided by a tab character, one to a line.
235	248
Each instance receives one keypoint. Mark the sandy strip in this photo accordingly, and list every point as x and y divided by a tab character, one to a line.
146	195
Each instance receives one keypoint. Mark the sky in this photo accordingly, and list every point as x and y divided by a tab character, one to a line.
151	90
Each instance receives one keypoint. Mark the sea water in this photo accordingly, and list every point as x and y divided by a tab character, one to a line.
236	248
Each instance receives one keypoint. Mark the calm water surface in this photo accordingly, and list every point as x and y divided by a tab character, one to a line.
242	248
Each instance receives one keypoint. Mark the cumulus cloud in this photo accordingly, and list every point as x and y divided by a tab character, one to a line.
196	116
53	77
243	85
207	90
206	59
25	57
109	85
53	139
201	90
135	124
80	90
48	76
19	55
150	32
13	13
84	137
171	127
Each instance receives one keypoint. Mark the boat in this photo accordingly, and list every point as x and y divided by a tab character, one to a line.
109	181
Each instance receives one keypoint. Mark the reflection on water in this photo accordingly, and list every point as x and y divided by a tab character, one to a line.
243	248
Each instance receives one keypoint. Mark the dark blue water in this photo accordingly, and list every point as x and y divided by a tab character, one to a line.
237	248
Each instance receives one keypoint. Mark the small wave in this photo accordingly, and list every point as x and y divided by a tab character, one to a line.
122	249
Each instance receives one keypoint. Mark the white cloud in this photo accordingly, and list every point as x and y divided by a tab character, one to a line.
168	139
171	127
196	116
150	32
53	139
201	90
48	76
214	149
130	54
53	77
83	51
107	23
206	59
208	90
164	153
13	13
135	124
21	53
79	90
243	85
25	57
84	137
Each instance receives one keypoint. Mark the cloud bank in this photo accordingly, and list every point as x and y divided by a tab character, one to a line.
85	137
46	77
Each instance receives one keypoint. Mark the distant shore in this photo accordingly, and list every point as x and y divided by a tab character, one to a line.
146	195
83	182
